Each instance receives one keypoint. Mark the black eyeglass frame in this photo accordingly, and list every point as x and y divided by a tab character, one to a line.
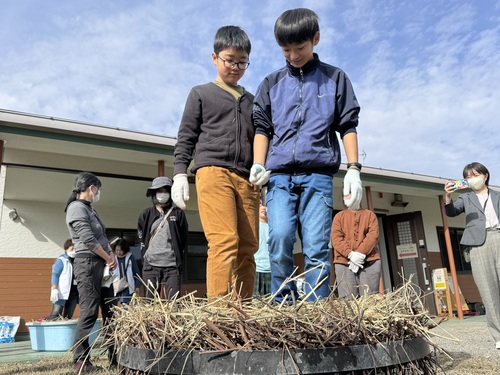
234	63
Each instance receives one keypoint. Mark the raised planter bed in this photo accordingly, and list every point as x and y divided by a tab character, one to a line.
398	354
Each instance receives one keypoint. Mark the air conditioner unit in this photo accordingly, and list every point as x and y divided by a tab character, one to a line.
398	201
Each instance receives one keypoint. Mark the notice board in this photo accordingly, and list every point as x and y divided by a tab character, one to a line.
445	293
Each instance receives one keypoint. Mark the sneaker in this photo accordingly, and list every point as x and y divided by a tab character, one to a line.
83	366
498	344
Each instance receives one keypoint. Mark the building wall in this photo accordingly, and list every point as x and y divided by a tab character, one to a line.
25	288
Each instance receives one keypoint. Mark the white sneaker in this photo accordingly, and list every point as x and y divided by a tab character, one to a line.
498	345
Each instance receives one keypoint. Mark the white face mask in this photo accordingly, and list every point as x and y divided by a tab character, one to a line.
71	254
162	197
476	183
96	197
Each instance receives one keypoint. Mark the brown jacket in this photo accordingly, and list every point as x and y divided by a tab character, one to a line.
354	231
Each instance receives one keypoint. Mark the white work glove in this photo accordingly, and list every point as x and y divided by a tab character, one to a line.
352	185
54	295
258	175
180	190
357	258
354	268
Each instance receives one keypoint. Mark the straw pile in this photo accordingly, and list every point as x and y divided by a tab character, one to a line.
190	323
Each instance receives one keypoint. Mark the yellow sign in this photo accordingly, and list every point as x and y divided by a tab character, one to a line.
439	279
445	293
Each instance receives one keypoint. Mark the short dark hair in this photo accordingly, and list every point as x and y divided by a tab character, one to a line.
67	244
296	26
478	168
124	245
231	37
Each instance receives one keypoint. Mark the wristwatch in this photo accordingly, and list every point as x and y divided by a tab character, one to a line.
356	165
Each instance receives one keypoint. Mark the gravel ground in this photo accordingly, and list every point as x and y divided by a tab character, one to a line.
470	346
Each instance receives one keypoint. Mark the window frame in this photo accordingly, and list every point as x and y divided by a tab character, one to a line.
459	251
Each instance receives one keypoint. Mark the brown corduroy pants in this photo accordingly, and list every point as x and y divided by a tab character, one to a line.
229	205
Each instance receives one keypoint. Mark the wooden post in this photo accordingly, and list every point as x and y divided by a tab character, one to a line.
161	168
369	202
451	259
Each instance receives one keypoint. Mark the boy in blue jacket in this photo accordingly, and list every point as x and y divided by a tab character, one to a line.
297	112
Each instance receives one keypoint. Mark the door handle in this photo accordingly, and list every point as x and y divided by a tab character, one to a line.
424	271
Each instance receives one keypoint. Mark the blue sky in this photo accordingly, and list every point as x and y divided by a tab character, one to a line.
426	73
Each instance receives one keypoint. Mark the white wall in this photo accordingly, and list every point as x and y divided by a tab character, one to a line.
38	232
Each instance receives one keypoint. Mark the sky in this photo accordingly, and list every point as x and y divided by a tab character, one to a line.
426	73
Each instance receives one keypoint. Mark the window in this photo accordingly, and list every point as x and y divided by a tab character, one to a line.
460	252
195	258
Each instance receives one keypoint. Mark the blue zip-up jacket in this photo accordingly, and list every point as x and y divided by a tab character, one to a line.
300	110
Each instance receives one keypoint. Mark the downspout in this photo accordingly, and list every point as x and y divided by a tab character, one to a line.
161	168
369	202
451	260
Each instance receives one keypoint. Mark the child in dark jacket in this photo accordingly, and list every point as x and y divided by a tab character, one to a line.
217	129
126	270
298	112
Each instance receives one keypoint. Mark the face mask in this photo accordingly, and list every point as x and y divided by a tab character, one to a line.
71	254
96	197
162	197
476	183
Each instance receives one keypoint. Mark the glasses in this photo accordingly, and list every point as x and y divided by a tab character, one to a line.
230	64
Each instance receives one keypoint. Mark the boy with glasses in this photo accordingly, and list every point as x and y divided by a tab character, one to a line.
217	128
298	112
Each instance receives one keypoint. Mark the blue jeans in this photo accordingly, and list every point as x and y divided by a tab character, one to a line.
303	204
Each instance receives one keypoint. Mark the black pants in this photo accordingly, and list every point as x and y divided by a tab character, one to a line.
88	274
168	278
67	310
70	305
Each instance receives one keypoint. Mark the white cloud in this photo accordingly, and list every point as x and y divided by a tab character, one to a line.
426	73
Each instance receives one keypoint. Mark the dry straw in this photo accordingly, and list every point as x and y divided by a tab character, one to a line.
188	323
227	324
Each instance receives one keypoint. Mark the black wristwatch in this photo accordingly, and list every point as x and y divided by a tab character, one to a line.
357	165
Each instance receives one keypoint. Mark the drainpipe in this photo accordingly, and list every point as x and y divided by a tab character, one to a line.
369	202
451	260
161	168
